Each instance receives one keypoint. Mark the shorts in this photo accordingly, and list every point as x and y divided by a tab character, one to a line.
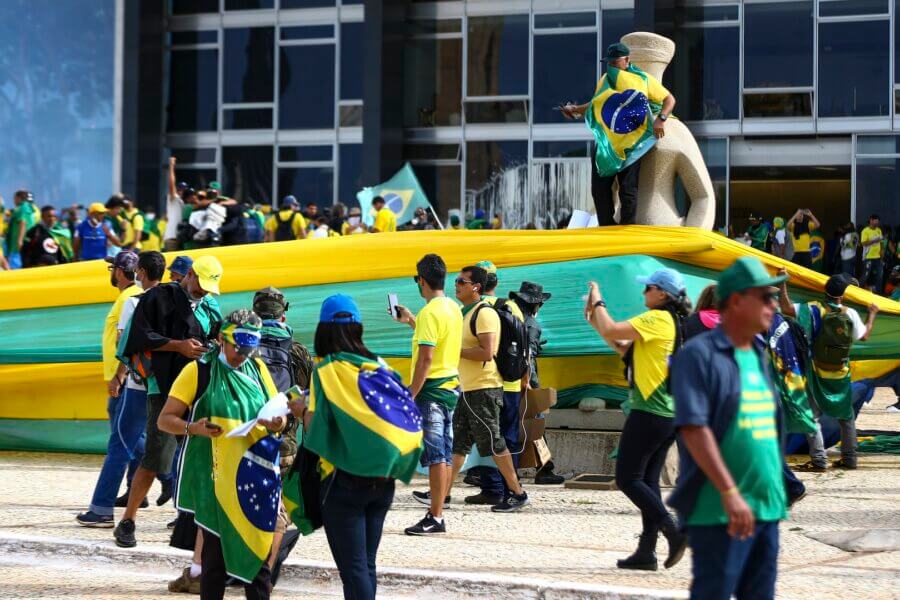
437	429
160	446
477	421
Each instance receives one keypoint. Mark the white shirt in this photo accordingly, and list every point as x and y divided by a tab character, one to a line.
174	210
859	328
320	232
124	318
848	246
779	237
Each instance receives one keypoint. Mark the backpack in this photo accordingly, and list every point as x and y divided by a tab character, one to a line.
285	230
512	353
276	353
252	229
832	344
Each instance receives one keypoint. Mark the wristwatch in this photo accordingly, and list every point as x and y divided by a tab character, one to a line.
599	303
663	117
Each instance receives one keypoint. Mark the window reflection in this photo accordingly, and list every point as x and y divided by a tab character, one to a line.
306	98
247	173
778	44
853	69
193	90
351	61
565	69
349	173
706	73
432	82
249	75
613	25
877	182
307	184
497	62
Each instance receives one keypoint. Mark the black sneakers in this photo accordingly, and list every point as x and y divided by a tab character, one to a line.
92	519
168	489
425	498
124	534
427	526
483	498
512	504
122	501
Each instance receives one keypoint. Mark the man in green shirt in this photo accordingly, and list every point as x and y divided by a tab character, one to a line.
758	232
731	492
23	218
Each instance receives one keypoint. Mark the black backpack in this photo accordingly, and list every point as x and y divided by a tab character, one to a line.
512	353
285	230
276	353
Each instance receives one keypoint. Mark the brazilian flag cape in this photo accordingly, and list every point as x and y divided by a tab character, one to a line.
621	118
831	389
364	419
233	485
758	235
789	375
443	390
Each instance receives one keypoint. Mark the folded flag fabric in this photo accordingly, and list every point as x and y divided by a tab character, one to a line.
364	419
789	367
402	194
621	117
233	485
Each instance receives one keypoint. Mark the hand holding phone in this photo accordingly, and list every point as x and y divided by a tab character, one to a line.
392	306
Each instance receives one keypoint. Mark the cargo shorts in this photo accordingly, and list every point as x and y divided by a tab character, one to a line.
477	421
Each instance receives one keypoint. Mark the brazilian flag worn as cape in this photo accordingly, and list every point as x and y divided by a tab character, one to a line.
831	389
790	380
621	118
364	419
233	485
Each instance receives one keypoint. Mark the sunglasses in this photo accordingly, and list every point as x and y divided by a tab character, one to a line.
768	297
461	281
650	288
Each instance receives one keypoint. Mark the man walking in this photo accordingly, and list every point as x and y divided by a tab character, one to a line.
168	323
731	492
125	448
639	97
23	217
385	219
436	344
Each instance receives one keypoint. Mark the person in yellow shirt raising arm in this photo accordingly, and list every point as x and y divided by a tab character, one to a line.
385	219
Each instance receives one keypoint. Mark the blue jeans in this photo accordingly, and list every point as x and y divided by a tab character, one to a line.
15	260
353	511
793	486
492	481
124	449
437	429
723	565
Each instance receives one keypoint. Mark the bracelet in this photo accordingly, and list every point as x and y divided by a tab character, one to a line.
187	426
730	491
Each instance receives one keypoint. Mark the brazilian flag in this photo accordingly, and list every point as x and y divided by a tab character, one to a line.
817	250
621	118
402	193
364	419
830	388
233	485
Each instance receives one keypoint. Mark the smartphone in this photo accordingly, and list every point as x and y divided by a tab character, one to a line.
392	306
212	426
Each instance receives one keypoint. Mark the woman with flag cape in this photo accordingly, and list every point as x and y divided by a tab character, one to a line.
230	484
366	429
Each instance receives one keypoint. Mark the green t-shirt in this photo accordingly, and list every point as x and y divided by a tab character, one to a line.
758	236
751	452
23	218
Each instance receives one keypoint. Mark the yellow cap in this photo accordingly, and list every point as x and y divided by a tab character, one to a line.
96	207
209	272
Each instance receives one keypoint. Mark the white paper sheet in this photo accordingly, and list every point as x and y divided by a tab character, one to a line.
276	407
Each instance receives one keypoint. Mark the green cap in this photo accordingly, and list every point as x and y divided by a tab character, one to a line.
617	50
487	266
215	185
269	303
745	273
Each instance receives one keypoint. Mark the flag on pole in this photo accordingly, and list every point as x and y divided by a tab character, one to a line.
402	194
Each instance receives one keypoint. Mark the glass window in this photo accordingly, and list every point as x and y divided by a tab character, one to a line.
307	33
565	69
715	155
247	118
794	104
247	173
707	14
306	99
496	176
553	21
709	61
248	4
193	37
842	8
305	153
351	61
250	68
193	155
193	7
351	115
613	25
414	152
575	148
778	44
878	144
877	183
349	173
426	26
306	3
854	71
432	93
441	186
199	179
498	56
193	90
896	44
501	111
307	184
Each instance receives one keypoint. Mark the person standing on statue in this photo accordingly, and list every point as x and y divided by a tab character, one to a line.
627	115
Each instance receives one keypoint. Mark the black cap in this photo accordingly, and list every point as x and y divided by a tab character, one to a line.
837	285
532	293
269	303
617	50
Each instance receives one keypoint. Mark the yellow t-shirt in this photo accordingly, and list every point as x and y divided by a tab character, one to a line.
439	324
110	330
135	223
298	225
184	388
475	374
651	362
656	92
509	386
873	251
385	220
801	242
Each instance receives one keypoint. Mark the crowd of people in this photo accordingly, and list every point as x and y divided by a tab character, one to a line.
869	254
747	367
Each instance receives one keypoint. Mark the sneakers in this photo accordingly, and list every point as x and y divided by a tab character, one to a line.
843	463
427	526
483	498
185	584
171	524
425	498
548	478
794	500
92	519
122	501
512	504
168	489
124	534
895	407
809	467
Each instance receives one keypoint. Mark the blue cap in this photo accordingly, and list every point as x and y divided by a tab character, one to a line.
668	280
289	201
339	308
181	265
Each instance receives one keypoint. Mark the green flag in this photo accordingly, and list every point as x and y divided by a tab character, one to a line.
402	194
